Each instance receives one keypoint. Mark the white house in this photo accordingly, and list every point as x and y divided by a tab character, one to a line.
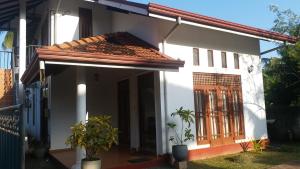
139	63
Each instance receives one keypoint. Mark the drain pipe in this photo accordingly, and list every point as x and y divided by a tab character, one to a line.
178	22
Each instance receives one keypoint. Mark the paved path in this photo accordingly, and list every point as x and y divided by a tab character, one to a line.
289	165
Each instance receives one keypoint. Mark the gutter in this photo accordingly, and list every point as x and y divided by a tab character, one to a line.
164	40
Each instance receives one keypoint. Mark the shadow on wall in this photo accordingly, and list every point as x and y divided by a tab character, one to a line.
6	88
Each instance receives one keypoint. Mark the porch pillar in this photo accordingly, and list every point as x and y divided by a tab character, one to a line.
22	67
80	110
22	48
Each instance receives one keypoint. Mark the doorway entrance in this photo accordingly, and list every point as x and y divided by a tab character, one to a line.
146	103
124	113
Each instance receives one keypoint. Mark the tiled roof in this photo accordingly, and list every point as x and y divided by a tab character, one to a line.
120	45
117	49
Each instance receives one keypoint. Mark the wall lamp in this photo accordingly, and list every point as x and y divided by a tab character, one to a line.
250	68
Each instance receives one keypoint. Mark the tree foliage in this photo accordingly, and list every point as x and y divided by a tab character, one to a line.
282	75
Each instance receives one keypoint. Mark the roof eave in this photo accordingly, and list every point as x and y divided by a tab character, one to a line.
170	14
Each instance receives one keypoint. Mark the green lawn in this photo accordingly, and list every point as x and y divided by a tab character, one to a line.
266	159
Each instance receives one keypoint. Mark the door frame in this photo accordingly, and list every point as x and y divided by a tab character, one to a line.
141	115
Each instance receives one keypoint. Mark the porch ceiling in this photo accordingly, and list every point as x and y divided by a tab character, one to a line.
9	9
115	49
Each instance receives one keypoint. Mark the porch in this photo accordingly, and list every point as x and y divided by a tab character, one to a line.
116	75
116	158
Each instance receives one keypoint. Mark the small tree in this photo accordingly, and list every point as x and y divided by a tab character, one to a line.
187	117
95	136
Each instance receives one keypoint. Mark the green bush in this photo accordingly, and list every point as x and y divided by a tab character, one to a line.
95	136
185	133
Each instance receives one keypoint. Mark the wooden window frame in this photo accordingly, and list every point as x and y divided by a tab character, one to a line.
196	58
236	60
212	58
224	55
205	116
219	88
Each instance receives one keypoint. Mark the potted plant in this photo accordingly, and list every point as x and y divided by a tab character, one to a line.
36	147
96	135
179	149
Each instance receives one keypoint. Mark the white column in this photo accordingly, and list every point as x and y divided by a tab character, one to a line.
22	64
80	110
161	117
22	47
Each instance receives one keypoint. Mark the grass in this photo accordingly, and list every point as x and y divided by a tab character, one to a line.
254	160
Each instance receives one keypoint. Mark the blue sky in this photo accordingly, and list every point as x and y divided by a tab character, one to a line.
249	12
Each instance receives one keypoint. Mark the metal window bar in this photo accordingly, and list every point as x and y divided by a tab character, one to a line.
6	59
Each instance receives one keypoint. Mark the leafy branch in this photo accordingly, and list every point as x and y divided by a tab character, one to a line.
187	118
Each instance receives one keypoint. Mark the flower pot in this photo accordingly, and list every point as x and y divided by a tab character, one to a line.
91	164
180	152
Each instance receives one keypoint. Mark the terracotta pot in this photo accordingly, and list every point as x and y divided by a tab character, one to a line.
180	152
95	164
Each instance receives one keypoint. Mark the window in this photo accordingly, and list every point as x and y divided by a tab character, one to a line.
200	116
214	115
225	114
236	61
219	116
210	58
196	61
85	23
224	60
238	127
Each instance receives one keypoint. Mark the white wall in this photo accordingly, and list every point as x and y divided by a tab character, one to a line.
179	87
180	93
63	107
67	19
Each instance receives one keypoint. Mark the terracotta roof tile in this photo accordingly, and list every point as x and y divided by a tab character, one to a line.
121	44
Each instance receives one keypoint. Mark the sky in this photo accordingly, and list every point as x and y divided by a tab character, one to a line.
249	12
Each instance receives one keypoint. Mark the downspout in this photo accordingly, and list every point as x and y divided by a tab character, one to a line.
178	22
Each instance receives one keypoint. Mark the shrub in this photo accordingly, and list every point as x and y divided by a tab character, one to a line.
95	136
245	146
186	116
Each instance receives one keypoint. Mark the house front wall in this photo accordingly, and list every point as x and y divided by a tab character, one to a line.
179	85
